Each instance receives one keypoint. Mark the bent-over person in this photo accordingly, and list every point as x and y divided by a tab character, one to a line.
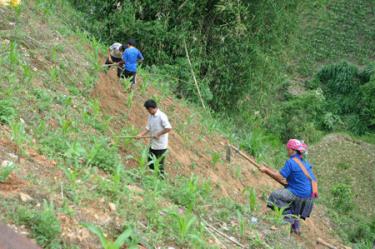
115	57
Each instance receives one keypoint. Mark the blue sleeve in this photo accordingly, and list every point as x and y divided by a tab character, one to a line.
140	56
124	56
286	170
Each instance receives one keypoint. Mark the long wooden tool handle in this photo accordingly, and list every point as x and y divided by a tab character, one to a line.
134	137
253	162
243	155
108	65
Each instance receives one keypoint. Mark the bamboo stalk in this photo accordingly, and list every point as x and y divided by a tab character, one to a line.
193	74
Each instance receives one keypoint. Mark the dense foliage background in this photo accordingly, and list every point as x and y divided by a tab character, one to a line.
252	58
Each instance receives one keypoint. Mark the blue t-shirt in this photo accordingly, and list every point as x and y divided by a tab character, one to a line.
131	56
298	183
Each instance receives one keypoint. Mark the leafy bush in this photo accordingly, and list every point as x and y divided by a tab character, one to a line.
368	103
44	225
190	193
102	155
7	111
184	225
301	115
342	197
6	171
341	78
349	103
127	237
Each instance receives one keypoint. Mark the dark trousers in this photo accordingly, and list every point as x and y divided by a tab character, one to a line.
159	154
127	74
114	60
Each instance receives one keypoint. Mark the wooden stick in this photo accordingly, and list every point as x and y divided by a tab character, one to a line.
228	154
252	161
192	72
215	238
324	243
133	137
108	65
223	234
243	155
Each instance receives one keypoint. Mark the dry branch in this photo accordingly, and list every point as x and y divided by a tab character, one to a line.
324	243
223	235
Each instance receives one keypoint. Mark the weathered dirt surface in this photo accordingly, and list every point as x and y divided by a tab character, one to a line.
113	101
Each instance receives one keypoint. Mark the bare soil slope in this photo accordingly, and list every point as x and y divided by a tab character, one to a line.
231	179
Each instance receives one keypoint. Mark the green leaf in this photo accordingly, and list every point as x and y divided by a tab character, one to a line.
120	241
98	232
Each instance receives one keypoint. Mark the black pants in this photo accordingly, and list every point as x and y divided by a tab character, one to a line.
159	154
127	74
114	60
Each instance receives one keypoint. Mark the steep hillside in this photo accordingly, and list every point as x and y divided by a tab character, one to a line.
345	167
62	122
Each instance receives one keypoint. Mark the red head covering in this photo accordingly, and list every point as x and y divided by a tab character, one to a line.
295	144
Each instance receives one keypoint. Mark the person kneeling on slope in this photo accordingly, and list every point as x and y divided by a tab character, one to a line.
297	198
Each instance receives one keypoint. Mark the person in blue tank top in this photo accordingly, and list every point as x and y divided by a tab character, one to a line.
131	57
296	198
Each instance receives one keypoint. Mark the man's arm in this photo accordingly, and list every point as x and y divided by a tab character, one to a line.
123	59
165	131
274	174
142	134
109	56
140	57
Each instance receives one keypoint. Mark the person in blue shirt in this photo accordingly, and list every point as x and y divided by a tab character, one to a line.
296	198
131	57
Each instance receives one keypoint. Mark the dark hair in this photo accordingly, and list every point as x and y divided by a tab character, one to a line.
122	48
131	42
150	103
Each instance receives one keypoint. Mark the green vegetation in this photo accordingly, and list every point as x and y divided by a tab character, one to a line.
6	170
248	58
44	225
344	170
122	239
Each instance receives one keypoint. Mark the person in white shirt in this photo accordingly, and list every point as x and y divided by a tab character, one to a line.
158	127
115	52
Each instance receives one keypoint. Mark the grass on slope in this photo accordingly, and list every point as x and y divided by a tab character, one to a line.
47	74
345	169
332	31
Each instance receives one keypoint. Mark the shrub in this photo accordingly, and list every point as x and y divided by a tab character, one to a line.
349	102
6	171
302	115
126	237
7	111
342	197
44	225
183	224
102	155
368	103
190	192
